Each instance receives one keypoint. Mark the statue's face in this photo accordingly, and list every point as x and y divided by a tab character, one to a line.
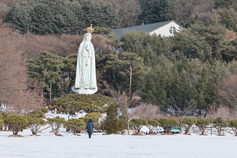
88	37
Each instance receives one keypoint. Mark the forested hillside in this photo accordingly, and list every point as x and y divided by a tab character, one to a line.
195	69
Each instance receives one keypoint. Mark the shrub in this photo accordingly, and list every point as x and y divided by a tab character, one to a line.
4	116
72	111
1	122
75	125
60	108
202	124
93	102
189	121
219	123
233	125
152	124
167	123
112	124
138	123
36	114
16	122
66	110
56	123
35	123
93	116
44	110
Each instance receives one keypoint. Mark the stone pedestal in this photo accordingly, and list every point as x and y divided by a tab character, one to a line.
84	91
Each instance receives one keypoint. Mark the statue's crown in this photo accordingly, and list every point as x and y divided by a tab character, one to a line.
90	29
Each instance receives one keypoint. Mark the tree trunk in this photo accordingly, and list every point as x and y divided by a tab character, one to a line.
130	84
128	126
50	92
118	88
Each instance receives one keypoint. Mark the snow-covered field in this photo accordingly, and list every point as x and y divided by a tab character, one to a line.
116	146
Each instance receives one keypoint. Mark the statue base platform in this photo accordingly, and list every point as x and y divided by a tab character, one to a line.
84	91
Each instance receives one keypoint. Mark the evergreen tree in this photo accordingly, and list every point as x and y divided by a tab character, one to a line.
132	69
205	91
215	36
152	14
224	3
181	92
19	16
46	69
229	19
112	123
154	89
41	20
68	73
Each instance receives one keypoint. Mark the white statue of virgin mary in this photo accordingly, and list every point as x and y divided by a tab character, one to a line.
85	82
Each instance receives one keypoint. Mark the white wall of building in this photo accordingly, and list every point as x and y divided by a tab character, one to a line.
165	30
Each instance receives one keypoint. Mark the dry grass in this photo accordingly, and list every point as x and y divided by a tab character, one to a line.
15	135
137	134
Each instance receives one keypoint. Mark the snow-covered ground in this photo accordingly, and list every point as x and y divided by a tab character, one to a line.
116	146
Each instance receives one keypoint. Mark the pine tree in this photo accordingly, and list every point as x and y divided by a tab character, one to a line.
152	15
154	89
133	70
229	19
224	3
112	123
68	73
46	69
41	19
205	91
19	17
181	92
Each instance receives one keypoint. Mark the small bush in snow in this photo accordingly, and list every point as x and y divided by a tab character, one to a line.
202	124
138	124
38	113
189	121
56	123
16	122
167	123
233	125
1	122
152	124
75	125
35	123
219	123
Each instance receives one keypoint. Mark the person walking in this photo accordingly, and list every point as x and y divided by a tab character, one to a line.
89	127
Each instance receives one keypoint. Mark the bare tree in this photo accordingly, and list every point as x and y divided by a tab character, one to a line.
187	109
225	113
123	106
147	111
12	69
127	11
13	78
7	2
227	92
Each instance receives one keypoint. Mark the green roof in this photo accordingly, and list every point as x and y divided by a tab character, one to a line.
147	28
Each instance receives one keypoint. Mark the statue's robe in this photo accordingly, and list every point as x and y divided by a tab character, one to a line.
86	70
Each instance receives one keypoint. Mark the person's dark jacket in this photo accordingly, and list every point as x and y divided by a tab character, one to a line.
90	126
